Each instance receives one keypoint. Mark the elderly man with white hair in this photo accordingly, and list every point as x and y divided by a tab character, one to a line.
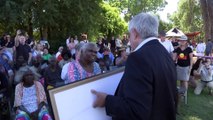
147	90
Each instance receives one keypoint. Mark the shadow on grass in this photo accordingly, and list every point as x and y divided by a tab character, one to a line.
199	107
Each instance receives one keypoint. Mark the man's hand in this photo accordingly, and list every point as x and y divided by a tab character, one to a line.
100	99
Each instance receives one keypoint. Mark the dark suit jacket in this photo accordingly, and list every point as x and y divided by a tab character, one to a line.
147	89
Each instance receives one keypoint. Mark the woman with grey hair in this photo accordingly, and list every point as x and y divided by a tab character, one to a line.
84	66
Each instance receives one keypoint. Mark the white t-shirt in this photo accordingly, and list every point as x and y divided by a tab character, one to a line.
201	47
168	45
118	43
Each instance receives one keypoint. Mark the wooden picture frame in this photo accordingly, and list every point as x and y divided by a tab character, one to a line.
74	101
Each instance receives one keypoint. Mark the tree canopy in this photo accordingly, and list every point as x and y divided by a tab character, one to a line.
57	19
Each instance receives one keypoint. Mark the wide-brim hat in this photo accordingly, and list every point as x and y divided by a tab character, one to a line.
182	38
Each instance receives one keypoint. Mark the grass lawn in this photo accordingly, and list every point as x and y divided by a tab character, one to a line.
199	107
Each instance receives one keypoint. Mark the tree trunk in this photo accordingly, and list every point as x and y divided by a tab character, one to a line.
30	27
210	4
41	33
206	9
44	32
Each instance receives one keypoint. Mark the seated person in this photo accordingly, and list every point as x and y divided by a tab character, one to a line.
52	74
66	55
122	57
206	73
46	55
22	68
84	66
107	58
30	99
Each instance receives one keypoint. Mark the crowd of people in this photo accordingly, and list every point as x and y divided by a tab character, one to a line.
77	60
190	59
30	69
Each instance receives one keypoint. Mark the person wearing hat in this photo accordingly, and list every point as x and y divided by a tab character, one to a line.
183	56
166	43
30	99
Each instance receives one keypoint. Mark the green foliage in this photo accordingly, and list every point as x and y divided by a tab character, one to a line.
112	23
164	26
188	17
55	20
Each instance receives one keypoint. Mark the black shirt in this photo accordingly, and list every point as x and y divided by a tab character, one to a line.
10	44
183	56
53	77
112	43
23	50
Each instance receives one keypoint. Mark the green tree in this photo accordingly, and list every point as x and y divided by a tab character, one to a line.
207	15
133	7
112	23
188	17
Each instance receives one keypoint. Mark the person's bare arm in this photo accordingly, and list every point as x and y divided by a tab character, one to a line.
16	41
191	61
174	56
29	59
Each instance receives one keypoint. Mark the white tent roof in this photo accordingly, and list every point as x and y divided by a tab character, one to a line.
174	32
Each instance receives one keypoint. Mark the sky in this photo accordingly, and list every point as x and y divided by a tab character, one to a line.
170	8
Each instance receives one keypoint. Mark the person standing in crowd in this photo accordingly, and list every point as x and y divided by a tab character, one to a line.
166	43
175	44
76	40
30	99
112	45
84	38
118	42
200	49
71	46
29	41
68	40
183	56
100	45
146	90
105	41
60	49
9	44
83	67
125	40
209	47
38	51
3	39
22	49
206	73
